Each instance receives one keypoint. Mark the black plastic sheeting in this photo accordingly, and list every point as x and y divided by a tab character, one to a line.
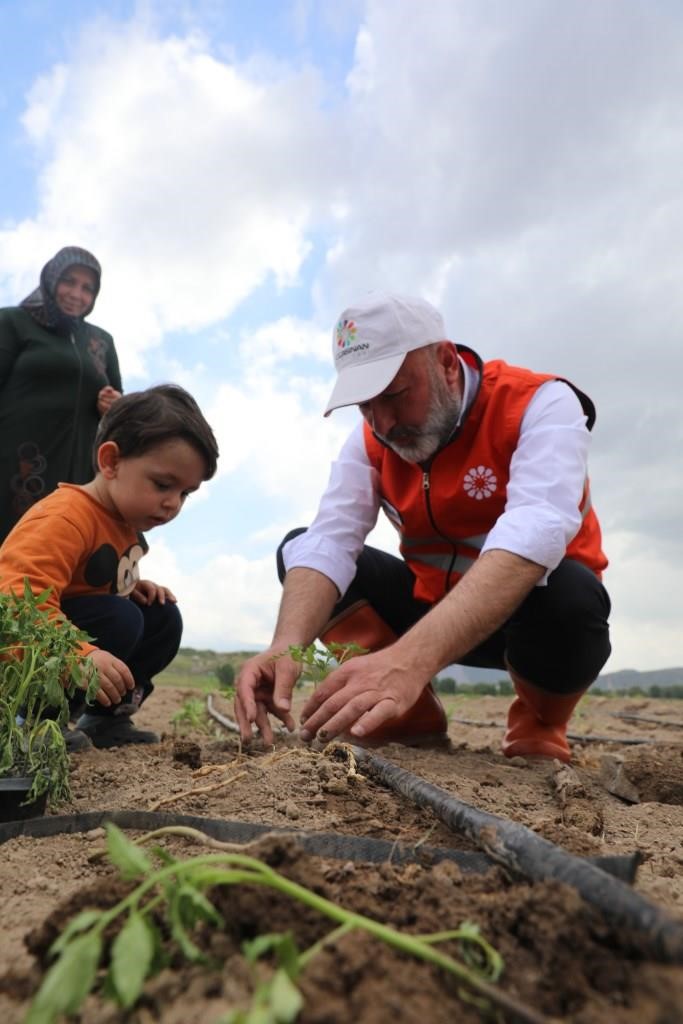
528	855
320	844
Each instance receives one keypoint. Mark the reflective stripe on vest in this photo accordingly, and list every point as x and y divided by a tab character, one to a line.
445	562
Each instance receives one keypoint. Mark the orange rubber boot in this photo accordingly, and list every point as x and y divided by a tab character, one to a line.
425	723
537	722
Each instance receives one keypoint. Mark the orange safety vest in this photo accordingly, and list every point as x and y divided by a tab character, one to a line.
444	511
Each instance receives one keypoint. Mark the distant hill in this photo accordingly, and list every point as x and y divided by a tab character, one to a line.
192	667
629	677
611	681
192	662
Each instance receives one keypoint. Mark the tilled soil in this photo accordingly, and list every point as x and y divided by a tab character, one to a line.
563	960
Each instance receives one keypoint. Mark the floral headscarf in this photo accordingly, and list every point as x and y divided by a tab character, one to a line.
41	303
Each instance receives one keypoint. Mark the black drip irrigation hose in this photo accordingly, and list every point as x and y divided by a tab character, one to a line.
228	723
623	867
626	717
334	845
622	741
528	855
223	720
576	737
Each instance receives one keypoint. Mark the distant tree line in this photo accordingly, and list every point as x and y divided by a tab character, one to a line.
448	685
674	692
503	688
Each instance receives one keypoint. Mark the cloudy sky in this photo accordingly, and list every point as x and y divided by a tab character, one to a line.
244	171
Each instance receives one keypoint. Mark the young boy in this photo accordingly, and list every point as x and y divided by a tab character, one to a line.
152	449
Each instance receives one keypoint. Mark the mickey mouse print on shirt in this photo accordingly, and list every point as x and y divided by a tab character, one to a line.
120	574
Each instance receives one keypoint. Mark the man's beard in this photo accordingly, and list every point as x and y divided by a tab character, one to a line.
418	444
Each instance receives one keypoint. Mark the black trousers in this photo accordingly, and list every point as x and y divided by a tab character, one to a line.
558	638
146	637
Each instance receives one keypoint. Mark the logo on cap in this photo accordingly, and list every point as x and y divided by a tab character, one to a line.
346	333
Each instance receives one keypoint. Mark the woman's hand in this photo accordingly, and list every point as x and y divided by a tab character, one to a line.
106	398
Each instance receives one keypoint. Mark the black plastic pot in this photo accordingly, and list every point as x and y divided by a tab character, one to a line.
14	790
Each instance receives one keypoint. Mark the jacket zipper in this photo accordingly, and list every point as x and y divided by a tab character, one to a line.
77	402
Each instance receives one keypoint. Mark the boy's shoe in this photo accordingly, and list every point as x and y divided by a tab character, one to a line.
114	731
76	740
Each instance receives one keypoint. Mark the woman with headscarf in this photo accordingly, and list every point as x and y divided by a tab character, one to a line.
58	376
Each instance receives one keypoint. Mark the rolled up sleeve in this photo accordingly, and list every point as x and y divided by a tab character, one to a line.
347	513
547	476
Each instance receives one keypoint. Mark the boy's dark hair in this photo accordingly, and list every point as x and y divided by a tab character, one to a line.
142	420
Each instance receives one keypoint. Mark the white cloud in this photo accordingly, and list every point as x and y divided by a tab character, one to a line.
646	611
190	178
227	603
271	433
283	341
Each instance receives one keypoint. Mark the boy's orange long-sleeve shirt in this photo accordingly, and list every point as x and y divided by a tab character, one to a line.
72	544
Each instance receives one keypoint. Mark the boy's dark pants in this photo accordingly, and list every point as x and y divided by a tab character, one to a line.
145	637
558	638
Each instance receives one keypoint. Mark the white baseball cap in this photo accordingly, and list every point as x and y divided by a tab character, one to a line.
372	338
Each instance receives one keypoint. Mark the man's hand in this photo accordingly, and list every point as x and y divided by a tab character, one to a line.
106	398
114	676
146	592
361	695
264	686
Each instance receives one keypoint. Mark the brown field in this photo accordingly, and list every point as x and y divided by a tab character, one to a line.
562	960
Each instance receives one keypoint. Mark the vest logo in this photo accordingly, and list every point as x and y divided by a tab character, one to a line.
346	333
480	482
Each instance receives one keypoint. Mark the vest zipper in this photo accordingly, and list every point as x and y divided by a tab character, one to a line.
426	487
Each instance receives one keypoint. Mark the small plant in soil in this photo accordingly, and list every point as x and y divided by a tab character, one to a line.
40	667
191	717
318	660
225	674
176	895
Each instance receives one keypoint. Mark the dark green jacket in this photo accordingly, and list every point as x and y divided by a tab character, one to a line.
48	407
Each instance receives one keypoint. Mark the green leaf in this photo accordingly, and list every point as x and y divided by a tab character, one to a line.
84	920
68	981
130	859
285	998
253	949
164	856
259	1015
179	931
288	955
194	906
35	599
283	945
131	958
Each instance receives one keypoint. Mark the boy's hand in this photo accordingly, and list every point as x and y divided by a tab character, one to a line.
147	592
114	676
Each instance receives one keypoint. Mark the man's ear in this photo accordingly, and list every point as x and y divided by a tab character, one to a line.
447	356
108	459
